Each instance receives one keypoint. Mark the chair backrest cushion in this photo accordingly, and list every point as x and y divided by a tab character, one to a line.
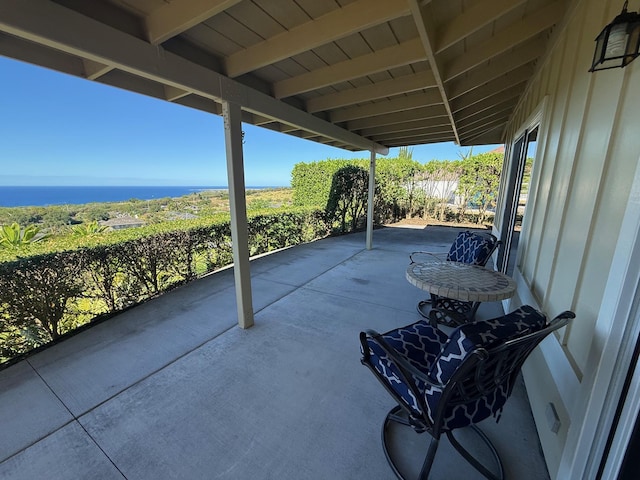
472	248
485	334
464	340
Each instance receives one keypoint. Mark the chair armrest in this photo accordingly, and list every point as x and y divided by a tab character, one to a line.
432	255
561	320
567	314
556	323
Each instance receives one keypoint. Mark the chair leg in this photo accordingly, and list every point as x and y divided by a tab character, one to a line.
394	415
428	460
473	461
421	305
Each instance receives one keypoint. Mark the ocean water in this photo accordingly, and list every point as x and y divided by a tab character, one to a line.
41	196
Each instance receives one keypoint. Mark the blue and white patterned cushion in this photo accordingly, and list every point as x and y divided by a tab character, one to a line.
437	356
464	340
486	334
471	248
420	344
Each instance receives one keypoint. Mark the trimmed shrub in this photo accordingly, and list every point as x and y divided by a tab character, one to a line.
45	294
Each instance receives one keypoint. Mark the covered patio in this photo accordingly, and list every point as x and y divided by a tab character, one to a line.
172	389
361	75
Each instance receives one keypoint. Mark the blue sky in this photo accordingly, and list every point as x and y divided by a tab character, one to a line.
57	129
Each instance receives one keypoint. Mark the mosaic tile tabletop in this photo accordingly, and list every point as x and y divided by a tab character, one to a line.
461	281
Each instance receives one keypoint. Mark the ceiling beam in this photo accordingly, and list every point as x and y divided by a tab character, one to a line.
288	128
133	83
493	135
387	88
464	110
420	139
471	20
177	16
433	112
308	135
337	24
270	126
266	121
486	126
172	93
94	70
507	106
25	51
397	104
437	130
391	57
398	136
499	66
437	122
484	119
488	108
420	142
47	23
423	18
506	39
494	87
262	121
200	103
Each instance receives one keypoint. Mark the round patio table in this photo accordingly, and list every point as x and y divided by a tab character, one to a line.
460	281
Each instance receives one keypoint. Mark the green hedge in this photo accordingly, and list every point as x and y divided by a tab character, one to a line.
51	288
404	187
312	183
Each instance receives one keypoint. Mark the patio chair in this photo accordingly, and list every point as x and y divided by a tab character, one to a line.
474	248
443	383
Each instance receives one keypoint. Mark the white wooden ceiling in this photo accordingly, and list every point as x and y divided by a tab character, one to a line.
349	73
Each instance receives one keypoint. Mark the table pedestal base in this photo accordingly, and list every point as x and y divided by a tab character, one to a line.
447	311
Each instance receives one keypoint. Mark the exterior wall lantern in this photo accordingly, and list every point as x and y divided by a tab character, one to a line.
619	42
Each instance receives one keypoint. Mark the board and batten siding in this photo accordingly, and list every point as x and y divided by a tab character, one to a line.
588	151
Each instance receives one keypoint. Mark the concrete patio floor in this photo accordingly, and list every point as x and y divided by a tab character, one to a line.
173	389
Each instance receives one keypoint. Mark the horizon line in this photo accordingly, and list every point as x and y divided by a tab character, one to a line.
141	186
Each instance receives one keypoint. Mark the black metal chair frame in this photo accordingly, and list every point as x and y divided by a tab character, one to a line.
446	311
479	374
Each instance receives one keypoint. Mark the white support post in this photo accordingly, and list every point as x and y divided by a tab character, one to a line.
372	189
239	231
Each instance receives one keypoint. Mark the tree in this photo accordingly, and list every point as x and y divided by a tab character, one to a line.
58	216
437	182
396	185
466	185
34	292
94	211
405	153
490	166
480	180
348	196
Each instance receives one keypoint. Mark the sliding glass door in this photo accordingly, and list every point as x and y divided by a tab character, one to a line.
516	196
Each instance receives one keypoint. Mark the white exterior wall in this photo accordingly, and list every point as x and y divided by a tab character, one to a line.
587	157
445	190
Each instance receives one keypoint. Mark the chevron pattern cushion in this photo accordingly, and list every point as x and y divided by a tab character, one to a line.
471	248
437	356
464	340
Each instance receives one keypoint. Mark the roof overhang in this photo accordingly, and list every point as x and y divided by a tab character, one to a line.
356	74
